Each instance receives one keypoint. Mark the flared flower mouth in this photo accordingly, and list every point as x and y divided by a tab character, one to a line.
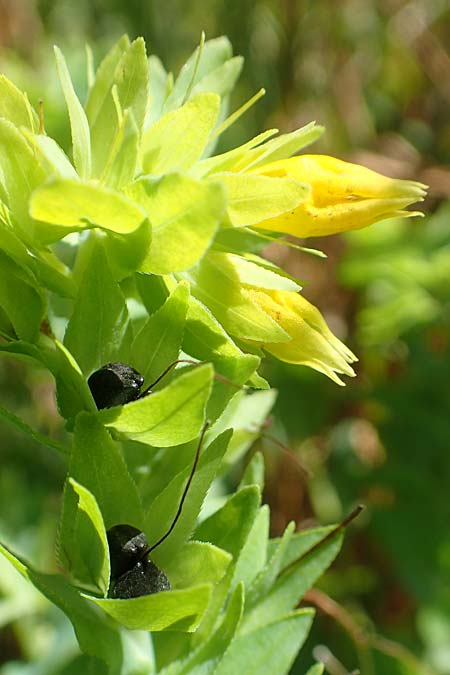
343	196
312	343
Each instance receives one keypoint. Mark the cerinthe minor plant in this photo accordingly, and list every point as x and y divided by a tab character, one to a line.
142	249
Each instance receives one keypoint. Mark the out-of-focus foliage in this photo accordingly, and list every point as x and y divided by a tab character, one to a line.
377	75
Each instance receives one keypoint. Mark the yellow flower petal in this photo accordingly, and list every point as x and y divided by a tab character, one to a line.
312	342
343	196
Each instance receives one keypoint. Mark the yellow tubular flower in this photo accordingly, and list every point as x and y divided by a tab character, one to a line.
312	344
343	196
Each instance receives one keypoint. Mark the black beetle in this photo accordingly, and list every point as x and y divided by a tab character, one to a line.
132	573
117	383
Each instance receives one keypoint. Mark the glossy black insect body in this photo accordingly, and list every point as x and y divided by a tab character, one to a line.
115	384
132	573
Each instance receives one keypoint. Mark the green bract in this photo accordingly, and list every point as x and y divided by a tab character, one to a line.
132	247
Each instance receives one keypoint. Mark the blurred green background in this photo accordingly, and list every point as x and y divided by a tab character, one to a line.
377	75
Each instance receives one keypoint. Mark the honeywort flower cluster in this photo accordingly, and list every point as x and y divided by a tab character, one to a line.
143	178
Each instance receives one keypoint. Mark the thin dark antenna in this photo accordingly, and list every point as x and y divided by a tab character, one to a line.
192	363
354	514
183	496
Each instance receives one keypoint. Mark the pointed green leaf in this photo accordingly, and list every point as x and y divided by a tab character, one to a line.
229	527
254	472
213	54
263	582
176	141
254	271
72	391
280	147
158	78
100	312
252	199
253	555
96	636
52	157
206	340
20	298
81	139
184	214
169	610
292	584
204	660
21	173
197	562
15	106
97	463
226	160
100	107
317	669
131	80
104	79
70	206
122	161
171	416
216	284
159	341
22	426
221	80
83	546
164	507
271	649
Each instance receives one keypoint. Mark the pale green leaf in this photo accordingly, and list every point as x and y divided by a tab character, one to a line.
214	53
265	579
171	416
271	649
206	340
226	160
246	414
254	472
280	147
72	391
96	636
21	299
229	527
221	80
81	138
103	82
99	319
100	107
164	507
253	555
180	610
317	669
197	562
132	81
176	141
70	206
255	272
216	284
252	199
82	545
36	436
51	156
291	585
122	161
126	252
15	106
158	89
20	174
184	214
204	660
98	464
158	343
